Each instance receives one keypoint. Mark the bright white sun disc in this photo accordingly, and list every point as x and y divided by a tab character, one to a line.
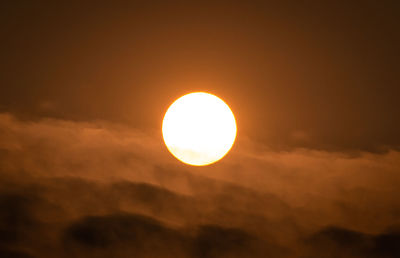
199	129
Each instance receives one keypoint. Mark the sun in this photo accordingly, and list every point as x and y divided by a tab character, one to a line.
199	129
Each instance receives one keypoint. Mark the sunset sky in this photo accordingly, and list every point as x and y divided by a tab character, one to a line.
314	87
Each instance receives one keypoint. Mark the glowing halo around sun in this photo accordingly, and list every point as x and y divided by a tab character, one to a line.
199	129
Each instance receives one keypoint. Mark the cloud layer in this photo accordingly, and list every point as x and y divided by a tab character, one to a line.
102	190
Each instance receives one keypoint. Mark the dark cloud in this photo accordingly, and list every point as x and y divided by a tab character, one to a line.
14	254
23	222
81	218
144	236
387	244
340	242
56	213
214	241
124	233
15	217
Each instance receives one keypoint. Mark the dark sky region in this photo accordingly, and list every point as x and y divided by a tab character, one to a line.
315	89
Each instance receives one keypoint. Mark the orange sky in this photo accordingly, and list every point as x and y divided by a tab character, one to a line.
314	171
